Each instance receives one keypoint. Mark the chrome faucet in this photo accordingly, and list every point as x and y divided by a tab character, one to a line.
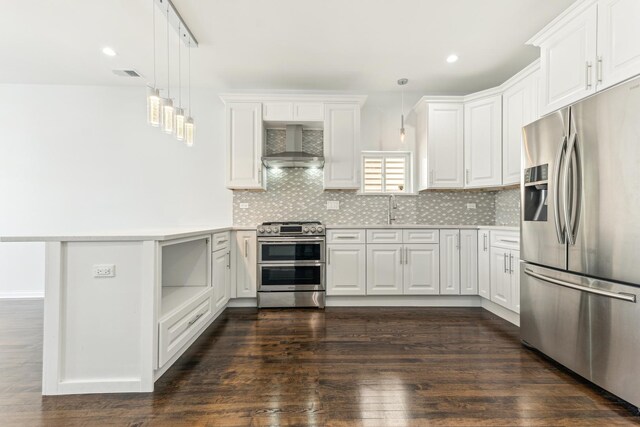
393	206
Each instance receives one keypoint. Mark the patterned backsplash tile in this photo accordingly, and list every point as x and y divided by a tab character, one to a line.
297	194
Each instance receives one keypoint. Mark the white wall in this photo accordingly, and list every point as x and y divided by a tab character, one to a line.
79	159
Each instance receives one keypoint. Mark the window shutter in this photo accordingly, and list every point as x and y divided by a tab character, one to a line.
373	174
395	174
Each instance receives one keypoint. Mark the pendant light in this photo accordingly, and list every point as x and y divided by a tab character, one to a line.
154	116
189	126
402	83
167	106
180	118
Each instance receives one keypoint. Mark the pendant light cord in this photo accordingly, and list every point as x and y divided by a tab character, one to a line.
168	61
179	67
189	77
153	5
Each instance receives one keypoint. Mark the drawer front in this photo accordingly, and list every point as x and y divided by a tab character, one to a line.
505	239
221	241
176	330
421	236
345	236
384	236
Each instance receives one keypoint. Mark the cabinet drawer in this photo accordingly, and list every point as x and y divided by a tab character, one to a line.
180	327
345	236
421	236
505	239
221	241
384	236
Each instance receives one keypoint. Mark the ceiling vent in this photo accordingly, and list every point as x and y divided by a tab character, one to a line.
127	73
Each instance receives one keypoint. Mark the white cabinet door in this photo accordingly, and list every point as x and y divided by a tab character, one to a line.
384	269
220	264
421	269
342	146
277	111
450	262
440	149
308	111
500	277
244	135
618	41
484	262
468	262
246	264
483	142
346	270
518	110
515	280
568	61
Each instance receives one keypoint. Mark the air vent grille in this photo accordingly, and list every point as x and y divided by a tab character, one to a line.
126	73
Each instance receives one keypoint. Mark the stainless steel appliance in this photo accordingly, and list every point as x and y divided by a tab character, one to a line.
580	276
291	265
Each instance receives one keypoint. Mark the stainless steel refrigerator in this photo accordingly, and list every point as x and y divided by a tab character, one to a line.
580	225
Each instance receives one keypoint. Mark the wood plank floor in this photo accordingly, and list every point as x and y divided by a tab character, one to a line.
340	367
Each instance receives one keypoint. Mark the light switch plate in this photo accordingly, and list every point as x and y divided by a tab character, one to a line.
333	205
471	205
244	205
104	270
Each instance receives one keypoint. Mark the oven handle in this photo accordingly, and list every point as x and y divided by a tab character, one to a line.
281	241
292	264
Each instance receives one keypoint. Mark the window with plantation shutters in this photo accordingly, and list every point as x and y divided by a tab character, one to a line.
385	172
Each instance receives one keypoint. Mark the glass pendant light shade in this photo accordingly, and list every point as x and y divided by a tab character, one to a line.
189	129
167	116
180	122
154	106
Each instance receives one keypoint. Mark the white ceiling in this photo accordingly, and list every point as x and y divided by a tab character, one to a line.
347	45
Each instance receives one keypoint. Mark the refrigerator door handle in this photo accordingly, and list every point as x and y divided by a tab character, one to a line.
567	212
560	233
616	295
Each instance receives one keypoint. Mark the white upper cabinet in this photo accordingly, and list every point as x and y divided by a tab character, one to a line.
618	41
421	269
450	262
308	111
440	145
285	111
468	262
483	142
519	108
244	135
342	146
277	111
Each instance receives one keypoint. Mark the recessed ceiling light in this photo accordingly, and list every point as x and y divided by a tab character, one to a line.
452	58
108	51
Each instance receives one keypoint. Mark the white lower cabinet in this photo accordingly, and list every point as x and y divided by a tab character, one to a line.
421	269
484	265
515	281
384	269
468	262
221	277
246	264
450	262
346	269
505	278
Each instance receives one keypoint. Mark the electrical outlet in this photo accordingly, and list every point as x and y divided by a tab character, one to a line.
333	205
244	205
471	205
104	270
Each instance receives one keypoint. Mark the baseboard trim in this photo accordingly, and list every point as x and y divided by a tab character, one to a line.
500	311
243	302
21	294
404	301
125	385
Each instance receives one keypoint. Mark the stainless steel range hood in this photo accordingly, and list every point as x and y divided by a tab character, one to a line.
293	156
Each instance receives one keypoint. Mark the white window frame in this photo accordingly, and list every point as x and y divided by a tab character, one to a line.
408	177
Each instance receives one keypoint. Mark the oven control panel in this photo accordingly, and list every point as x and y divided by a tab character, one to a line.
291	230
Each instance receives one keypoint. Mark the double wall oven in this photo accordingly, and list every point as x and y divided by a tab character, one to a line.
291	264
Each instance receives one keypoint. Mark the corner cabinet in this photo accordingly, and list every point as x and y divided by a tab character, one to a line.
483	142
244	137
342	146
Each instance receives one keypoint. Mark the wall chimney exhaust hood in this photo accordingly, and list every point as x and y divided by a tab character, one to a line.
293	156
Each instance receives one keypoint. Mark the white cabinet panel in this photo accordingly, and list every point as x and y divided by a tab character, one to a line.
346	269
440	145
221	241
500	277
468	262
384	269
568	61
308	111
483	142
244	135
618	41
484	263
277	111
420	236
246	264
342	146
515	281
220	277
384	236
421	269
450	262
346	236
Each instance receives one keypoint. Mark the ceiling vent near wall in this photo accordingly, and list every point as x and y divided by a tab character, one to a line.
127	73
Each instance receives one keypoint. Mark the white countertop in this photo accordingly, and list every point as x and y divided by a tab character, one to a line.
422	226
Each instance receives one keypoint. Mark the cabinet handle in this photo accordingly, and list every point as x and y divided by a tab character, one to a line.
246	248
406	256
195	319
229	260
329	256
467	175
505	262
599	69
589	66
511	263
485	236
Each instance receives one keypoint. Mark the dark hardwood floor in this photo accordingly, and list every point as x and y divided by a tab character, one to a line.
340	367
